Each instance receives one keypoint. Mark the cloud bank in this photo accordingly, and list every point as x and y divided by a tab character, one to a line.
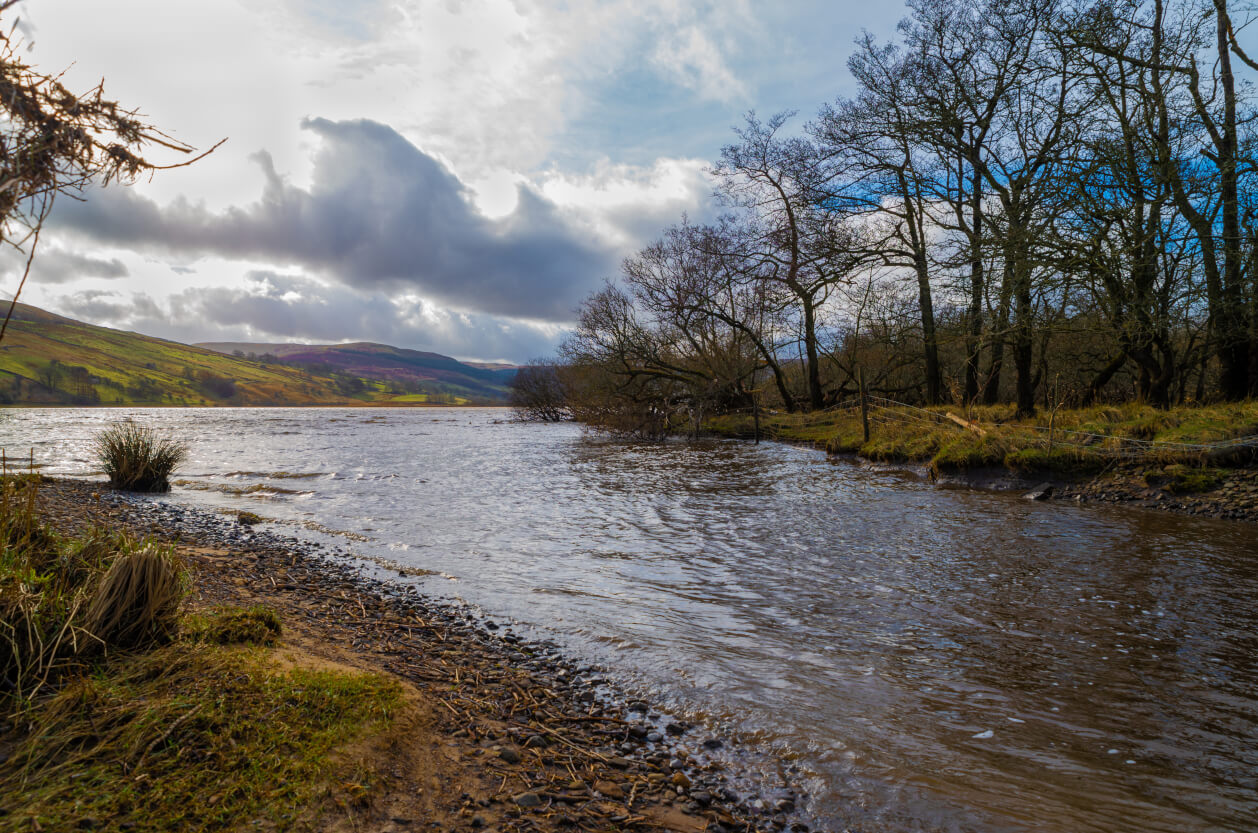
280	307
379	214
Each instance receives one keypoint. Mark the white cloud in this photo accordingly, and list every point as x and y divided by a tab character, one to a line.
535	107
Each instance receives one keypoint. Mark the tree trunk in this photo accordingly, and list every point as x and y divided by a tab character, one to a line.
1233	335
991	388
810	350
974	343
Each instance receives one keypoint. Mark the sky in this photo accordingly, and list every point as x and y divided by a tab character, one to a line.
434	174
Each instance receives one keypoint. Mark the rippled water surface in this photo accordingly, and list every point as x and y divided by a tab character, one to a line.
936	659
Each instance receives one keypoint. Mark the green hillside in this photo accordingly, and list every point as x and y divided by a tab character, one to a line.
46	359
401	370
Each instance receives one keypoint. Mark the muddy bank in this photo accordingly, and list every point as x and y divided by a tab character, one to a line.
526	739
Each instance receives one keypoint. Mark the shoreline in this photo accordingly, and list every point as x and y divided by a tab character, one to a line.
1234	498
1232	494
533	739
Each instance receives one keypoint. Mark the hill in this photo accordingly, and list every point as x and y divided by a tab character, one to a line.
412	371
49	359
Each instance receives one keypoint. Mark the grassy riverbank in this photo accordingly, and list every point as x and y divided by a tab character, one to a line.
293	693
1069	443
124	708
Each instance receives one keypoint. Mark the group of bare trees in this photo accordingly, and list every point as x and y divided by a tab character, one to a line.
1020	197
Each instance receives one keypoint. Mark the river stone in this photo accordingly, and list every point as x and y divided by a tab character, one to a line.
609	789
528	800
509	754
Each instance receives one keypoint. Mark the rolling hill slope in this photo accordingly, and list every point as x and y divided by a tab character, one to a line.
52	360
409	369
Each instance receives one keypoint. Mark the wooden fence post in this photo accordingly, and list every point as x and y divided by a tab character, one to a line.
860	379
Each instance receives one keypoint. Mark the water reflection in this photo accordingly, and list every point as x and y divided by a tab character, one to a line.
939	659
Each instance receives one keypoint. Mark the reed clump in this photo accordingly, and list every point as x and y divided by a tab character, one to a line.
136	602
136	457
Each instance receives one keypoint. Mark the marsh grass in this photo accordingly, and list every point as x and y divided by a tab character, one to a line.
136	602
117	711
136	457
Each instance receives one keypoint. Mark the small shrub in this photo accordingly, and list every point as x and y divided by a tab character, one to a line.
137	458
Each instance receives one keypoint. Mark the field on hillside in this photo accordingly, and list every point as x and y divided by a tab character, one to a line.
46	359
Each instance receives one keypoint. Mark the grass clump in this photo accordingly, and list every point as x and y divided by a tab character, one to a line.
64	599
136	457
194	737
255	625
136	601
1185	480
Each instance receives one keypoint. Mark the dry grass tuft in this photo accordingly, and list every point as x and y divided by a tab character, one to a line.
137	600
137	458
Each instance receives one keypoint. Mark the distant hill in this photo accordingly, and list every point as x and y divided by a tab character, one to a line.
53	360
412	369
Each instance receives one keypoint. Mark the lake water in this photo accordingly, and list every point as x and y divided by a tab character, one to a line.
933	659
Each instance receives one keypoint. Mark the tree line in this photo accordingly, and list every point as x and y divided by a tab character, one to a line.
1052	199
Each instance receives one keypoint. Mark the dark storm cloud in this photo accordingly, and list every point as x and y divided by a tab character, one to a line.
54	266
379	214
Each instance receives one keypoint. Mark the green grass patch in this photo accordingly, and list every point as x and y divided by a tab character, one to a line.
193	737
64	600
1084	440
118	713
255	625
1184	480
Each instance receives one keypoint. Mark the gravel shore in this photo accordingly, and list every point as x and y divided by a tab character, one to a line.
529	739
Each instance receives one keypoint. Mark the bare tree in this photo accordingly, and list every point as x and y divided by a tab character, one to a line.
795	232
537	393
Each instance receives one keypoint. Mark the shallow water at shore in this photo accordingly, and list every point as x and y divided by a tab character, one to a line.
937	659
